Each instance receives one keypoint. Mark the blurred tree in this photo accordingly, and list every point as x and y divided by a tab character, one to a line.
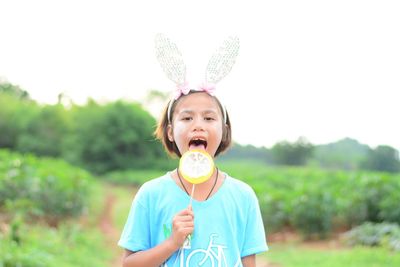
345	154
64	99
297	153
13	90
248	152
114	136
382	158
16	110
45	132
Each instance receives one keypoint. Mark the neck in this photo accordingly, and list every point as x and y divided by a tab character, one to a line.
202	191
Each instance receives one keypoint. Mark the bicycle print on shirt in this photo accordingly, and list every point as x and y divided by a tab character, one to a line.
213	255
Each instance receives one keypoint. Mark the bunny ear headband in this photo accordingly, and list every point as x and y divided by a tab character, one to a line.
219	65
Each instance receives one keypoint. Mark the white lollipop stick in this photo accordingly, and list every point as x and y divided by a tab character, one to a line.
197	166
191	195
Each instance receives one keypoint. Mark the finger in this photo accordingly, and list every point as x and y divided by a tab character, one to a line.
186	231
189	211
183	232
180	222
181	225
182	212
185	218
186	213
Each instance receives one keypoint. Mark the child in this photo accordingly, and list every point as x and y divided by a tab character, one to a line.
223	227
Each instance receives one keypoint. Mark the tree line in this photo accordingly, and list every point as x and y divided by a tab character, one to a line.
100	138
346	154
119	135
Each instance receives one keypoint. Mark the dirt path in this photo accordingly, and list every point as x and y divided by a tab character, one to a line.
107	226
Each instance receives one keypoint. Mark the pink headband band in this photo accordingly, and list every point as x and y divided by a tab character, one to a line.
184	89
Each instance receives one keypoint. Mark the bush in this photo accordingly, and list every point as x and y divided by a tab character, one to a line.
15	115
99	138
66	246
374	200
44	134
316	201
111	137
47	188
274	211
389	207
313	212
375	234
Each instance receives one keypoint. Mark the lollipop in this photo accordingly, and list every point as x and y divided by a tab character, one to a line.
196	167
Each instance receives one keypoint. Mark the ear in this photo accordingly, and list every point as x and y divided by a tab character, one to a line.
170	133
224	132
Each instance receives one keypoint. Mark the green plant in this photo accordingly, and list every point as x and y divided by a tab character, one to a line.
47	188
274	211
69	245
112	137
312	213
375	234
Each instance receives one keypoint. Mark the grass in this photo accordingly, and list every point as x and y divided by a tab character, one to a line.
124	197
294	255
75	242
68	245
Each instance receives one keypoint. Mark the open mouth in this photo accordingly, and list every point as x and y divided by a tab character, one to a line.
198	144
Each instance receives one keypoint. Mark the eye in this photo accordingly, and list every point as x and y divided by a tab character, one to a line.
186	118
209	118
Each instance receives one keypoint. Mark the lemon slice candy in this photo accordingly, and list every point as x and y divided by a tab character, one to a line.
196	166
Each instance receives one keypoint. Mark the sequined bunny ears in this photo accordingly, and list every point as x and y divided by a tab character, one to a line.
219	65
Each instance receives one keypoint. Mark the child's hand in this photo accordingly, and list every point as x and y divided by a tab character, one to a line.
182	226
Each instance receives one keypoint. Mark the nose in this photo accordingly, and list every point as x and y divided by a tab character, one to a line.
198	124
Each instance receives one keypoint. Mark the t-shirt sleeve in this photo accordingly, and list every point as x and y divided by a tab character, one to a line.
254	241
136	234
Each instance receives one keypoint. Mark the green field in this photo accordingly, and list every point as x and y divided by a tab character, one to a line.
296	255
67	206
49	214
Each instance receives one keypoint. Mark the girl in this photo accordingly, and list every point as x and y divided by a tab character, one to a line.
223	227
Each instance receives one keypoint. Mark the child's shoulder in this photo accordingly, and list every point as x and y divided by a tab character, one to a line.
238	185
157	182
241	192
155	185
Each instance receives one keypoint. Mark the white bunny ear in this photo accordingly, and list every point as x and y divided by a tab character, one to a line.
222	60
170	59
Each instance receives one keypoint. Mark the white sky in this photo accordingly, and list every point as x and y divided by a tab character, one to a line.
320	69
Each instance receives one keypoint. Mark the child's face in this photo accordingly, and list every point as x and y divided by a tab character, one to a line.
197	123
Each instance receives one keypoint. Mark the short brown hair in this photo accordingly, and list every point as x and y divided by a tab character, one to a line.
161	131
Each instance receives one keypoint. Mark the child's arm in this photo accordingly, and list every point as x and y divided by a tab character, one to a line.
249	261
182	226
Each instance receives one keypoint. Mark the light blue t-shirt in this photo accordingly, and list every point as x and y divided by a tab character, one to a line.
227	227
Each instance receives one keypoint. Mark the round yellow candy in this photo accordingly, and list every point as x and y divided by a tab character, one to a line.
196	166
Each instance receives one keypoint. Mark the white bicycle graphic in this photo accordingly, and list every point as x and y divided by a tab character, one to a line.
213	253
213	256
